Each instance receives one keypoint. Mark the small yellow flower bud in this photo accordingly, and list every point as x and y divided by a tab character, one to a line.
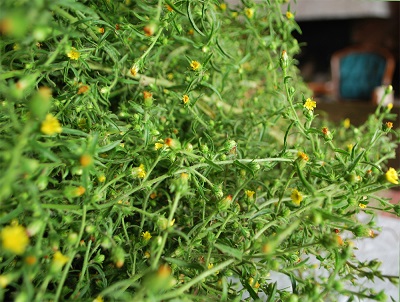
14	238
249	12
59	260
296	197
50	125
146	236
289	15
392	177
310	104
195	65
185	99
73	54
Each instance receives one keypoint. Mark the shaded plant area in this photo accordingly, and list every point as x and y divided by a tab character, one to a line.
169	151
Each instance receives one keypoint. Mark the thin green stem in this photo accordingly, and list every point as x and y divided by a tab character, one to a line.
11	173
71	255
165	236
199	278
83	270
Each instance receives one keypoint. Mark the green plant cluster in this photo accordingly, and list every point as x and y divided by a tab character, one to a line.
169	151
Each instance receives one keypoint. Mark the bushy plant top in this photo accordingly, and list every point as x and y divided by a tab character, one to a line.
169	151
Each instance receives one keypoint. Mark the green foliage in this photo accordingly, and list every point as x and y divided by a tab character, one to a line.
167	150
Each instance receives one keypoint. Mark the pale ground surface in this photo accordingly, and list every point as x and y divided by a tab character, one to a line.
385	247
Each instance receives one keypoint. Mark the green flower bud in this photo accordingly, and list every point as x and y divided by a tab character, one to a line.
225	203
389	89
40	103
204	149
293	298
254	166
106	243
362	231
228	146
72	238
29	165
118	256
34	227
99	258
22	297
381	296
189	147
90	229
147	99
217	191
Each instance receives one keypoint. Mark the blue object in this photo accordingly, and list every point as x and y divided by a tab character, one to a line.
360	73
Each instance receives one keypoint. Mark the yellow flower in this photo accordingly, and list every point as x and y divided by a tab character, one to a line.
185	99
284	55
101	178
222	6
73	54
289	15
249	193
59	260
391	176
86	160
79	191
50	125
147	254
195	65
134	70
303	156
210	266
310	104
14	239
164	271
158	146
253	284
139	172
146	236
346	123
4	281
362	206
350	147
296	197
390	106
98	299
249	12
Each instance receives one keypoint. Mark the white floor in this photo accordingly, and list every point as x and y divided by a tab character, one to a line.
385	247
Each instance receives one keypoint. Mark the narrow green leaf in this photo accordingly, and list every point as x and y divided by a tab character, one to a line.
192	21
205	84
223	50
250	290
212	164
174	7
74	132
273	290
229	251
243	166
108	147
182	263
356	161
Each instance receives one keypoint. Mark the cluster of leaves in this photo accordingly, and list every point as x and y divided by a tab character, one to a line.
167	150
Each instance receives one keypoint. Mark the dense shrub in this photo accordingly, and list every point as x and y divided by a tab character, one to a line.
161	150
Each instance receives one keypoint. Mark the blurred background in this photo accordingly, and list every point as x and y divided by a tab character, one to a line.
331	25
